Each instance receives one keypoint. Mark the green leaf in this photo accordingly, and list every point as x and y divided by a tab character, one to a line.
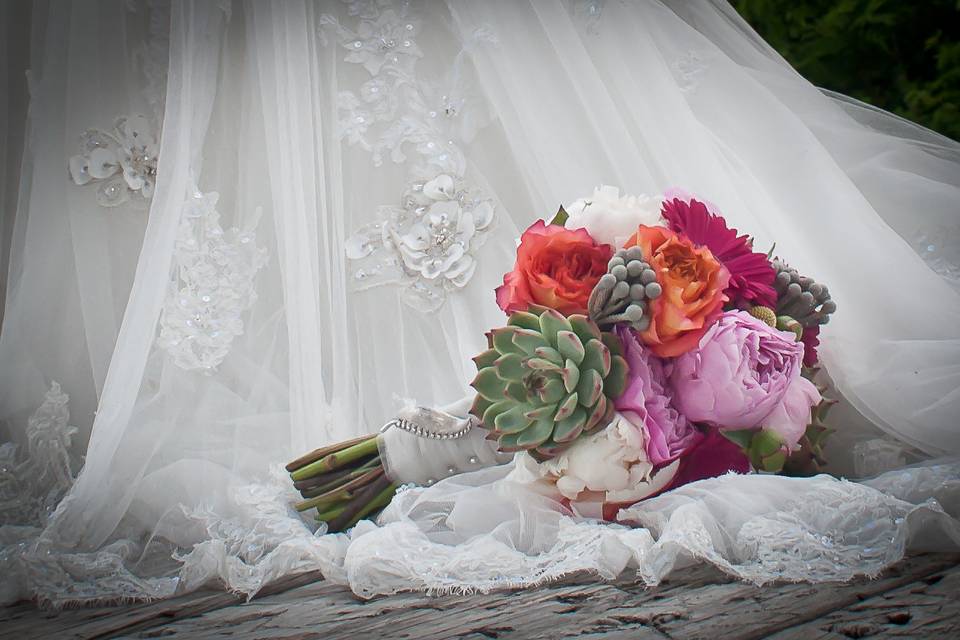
489	385
552	322
774	462
508	443
567	407
517	391
570	375
552	391
597	414
739	437
561	217
528	341
537	434
596	356
613	343
486	359
539	412
616	381
549	353
512	420
765	443
524	320
490	415
503	340
540	364
480	406
550	449
510	367
570	346
585	328
590	387
570	427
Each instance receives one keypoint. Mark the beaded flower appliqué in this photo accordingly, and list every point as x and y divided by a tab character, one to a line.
427	243
212	287
122	162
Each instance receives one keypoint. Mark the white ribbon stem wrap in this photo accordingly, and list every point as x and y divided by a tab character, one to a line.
413	459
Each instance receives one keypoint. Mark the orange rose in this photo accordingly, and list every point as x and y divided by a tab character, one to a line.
693	282
556	268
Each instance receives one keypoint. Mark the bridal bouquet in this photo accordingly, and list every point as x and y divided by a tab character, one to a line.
647	345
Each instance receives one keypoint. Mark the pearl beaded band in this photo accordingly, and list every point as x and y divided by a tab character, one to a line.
417	430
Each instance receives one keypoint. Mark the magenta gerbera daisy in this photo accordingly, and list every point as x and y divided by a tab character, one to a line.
811	340
751	275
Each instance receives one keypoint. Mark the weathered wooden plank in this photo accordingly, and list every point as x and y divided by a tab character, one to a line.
689	609
105	622
703	604
747	612
334	611
928	608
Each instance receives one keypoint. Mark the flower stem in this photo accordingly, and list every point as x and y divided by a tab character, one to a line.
365	478
359	503
324	500
318	454
381	500
333	461
330	514
322	483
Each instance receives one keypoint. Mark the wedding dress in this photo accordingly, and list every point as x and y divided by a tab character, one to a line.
207	278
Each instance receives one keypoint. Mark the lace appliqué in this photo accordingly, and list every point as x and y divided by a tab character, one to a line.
152	54
589	13
941	251
427	243
213	286
121	162
688	68
31	487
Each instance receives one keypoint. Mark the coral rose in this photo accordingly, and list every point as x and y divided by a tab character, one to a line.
555	268
693	282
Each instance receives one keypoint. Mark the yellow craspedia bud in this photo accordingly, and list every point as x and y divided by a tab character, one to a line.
786	323
766	314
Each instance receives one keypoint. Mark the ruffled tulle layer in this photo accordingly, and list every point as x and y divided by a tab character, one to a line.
491	529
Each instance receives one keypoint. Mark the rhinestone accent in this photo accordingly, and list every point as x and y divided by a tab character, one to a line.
421	432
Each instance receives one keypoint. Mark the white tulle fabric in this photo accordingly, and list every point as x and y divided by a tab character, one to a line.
493	529
290	134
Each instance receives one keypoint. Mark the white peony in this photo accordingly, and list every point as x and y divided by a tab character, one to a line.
608	466
611	219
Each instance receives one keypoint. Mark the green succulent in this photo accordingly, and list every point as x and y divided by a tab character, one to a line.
546	380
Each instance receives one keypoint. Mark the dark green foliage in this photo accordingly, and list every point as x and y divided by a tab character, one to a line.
901	56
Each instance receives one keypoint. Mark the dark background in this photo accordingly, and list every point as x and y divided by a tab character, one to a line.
900	55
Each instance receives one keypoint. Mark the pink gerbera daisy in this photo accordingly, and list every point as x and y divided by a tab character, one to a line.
751	275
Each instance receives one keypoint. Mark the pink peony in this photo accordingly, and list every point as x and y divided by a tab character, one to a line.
751	275
789	419
745	375
646	402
